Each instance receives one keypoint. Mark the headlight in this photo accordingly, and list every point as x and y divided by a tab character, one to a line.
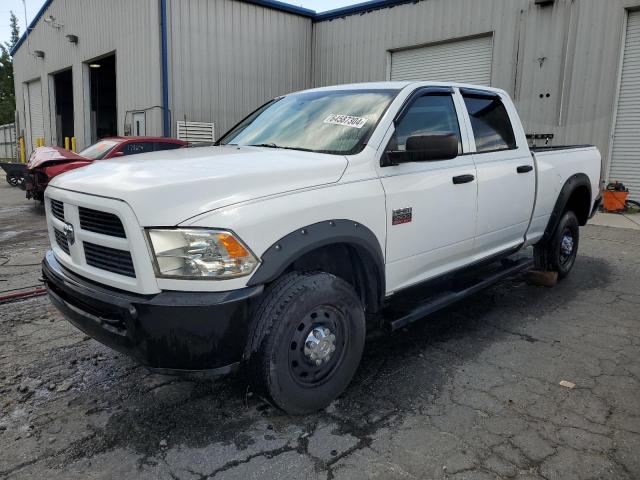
199	253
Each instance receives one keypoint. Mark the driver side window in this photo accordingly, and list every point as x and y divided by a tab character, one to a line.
427	114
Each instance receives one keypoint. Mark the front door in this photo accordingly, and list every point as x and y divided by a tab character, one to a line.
506	175
431	220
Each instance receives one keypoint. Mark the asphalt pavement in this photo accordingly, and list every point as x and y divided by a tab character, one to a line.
516	382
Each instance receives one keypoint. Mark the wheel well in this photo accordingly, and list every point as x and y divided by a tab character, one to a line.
351	263
580	203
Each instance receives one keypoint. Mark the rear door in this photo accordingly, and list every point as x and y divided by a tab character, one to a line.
430	219
505	172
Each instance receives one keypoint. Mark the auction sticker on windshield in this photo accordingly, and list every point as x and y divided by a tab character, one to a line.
346	120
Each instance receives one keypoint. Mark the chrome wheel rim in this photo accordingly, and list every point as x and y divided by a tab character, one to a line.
567	246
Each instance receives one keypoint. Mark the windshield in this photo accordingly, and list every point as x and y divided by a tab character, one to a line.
334	121
97	151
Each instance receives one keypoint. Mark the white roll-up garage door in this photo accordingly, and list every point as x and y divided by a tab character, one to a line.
35	111
464	61
625	157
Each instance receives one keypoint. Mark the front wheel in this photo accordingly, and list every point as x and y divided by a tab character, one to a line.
560	252
309	338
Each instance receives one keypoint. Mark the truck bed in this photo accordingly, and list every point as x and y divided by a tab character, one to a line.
555	166
555	148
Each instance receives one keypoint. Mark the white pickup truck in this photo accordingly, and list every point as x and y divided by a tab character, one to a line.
272	249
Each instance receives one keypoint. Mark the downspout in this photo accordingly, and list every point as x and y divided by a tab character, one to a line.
166	126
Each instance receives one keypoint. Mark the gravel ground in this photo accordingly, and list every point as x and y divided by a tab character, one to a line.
471	393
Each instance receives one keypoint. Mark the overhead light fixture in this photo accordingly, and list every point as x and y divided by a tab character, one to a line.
72	38
38	53
94	65
51	21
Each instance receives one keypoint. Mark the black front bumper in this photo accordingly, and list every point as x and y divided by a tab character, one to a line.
171	331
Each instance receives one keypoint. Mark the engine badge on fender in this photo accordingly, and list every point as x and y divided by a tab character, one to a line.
402	215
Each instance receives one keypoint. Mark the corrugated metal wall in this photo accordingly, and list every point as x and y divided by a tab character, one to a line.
569	53
355	48
229	57
128	28
625	152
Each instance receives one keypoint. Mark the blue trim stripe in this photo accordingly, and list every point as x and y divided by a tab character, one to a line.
166	126
285	7
275	4
359	8
31	26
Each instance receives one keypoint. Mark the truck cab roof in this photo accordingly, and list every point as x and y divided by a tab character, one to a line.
400	85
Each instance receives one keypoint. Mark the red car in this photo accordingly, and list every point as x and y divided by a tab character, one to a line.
48	162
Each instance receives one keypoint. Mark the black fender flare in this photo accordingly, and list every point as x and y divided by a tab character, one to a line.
572	183
295	245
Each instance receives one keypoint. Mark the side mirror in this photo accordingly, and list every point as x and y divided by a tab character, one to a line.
426	148
118	154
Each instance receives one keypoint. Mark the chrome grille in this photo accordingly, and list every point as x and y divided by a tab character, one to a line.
101	222
57	209
109	259
61	240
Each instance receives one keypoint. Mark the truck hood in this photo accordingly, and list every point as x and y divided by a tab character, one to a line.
166	188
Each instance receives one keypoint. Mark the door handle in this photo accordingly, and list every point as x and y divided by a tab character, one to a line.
524	168
463	179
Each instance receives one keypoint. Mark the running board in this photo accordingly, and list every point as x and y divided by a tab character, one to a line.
446	298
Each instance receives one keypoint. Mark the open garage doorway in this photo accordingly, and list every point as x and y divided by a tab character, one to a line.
102	85
63	85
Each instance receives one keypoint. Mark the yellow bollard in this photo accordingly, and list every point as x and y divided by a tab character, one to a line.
22	151
73	144
66	143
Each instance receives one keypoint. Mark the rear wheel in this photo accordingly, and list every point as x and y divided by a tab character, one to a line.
560	252
308	343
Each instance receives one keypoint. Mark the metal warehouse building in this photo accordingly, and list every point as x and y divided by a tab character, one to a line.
91	68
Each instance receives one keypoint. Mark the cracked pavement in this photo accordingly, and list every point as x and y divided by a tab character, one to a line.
470	393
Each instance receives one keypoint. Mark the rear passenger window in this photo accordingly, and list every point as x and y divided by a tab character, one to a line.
427	114
137	147
490	122
166	146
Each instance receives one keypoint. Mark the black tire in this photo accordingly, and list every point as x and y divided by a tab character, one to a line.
631	204
560	252
281	366
12	179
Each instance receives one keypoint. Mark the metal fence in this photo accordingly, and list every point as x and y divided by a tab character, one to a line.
8	142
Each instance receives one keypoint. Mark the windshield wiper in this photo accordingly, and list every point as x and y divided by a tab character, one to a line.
266	145
273	145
